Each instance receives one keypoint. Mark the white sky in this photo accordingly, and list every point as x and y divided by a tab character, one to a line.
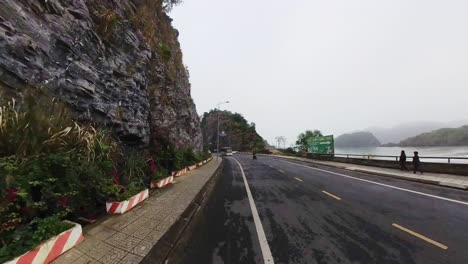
333	65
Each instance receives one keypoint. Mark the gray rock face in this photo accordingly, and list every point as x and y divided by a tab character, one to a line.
98	62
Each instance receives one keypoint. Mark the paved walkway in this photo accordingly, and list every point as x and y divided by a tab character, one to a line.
455	181
129	237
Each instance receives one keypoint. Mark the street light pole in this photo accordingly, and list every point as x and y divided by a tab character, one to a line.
217	134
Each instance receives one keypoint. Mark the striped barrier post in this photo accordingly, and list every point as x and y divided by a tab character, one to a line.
124	206
179	173
49	250
163	182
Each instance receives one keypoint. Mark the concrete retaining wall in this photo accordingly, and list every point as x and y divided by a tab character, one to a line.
457	169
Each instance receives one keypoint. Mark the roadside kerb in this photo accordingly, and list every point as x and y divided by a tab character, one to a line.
127	238
380	173
163	248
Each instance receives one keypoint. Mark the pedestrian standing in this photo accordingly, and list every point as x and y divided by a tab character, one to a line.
416	163
403	161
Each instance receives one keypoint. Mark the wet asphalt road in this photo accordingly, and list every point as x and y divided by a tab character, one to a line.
303	224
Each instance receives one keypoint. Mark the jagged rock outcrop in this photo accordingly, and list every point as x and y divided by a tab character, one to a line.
114	62
236	132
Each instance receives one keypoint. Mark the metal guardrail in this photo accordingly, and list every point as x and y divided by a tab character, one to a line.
396	158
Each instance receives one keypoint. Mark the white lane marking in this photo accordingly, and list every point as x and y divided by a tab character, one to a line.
332	195
381	184
298	179
281	171
266	252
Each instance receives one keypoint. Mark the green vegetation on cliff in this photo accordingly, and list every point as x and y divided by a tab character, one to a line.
440	137
357	139
238	132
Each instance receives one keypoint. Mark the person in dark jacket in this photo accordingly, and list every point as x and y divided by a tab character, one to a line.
403	161
416	163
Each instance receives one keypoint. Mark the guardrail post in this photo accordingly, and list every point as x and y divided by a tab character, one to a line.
449	160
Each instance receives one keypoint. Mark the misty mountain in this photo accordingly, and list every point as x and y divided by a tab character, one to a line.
406	130
357	139
440	137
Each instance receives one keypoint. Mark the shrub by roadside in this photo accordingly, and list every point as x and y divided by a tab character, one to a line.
52	168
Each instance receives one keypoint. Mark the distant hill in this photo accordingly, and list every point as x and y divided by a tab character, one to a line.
403	131
357	139
440	137
239	134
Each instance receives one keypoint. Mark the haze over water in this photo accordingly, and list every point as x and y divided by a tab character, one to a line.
461	151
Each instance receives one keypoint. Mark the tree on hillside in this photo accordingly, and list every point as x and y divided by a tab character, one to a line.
302	139
169	4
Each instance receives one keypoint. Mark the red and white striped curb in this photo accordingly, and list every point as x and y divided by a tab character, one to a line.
163	182
124	206
199	164
192	167
52	248
179	173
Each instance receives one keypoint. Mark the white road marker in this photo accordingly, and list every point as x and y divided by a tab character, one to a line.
298	179
331	195
281	171
381	184
266	252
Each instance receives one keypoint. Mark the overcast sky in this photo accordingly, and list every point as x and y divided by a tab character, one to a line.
337	66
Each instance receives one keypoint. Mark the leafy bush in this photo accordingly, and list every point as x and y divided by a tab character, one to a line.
119	193
40	125
49	166
160	173
135	170
18	241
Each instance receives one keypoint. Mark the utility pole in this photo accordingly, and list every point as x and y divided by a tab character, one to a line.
217	133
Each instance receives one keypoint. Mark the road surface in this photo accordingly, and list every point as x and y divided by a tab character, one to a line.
289	212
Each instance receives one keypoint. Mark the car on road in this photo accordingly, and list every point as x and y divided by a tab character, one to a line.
226	151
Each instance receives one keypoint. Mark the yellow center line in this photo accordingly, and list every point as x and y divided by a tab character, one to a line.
331	195
435	243
298	179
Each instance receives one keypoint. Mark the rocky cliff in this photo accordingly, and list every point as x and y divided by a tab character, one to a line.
114	62
235	132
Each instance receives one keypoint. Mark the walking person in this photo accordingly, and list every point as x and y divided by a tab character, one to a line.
416	163
403	161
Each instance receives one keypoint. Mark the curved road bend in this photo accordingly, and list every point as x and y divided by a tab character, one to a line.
324	215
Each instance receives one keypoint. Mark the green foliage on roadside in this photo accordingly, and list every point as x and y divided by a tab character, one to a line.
27	237
50	166
302	138
160	173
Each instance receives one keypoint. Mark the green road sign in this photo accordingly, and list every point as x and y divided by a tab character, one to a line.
321	145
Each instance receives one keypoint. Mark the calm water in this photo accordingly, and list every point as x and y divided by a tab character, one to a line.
423	152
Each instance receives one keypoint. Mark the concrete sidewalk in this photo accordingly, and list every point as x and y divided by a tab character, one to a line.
129	237
454	181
